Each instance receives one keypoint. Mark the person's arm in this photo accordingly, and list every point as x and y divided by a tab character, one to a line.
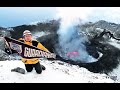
40	46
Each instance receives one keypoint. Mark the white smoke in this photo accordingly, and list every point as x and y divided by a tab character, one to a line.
92	14
69	39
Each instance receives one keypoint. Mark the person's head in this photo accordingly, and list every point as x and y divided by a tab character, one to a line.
27	35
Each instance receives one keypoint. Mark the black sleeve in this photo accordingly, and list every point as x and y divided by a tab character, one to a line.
21	40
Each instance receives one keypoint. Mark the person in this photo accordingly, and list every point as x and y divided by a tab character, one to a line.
34	62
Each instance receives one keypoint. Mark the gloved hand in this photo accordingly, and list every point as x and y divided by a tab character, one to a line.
7	51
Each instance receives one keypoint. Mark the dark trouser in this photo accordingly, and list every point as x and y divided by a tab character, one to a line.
37	66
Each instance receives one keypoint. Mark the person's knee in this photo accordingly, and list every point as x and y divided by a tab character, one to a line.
39	72
28	70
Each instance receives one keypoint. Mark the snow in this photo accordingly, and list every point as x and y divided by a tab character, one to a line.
99	29
34	23
39	34
115	43
56	72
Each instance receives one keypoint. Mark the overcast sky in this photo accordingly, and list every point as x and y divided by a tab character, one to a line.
13	16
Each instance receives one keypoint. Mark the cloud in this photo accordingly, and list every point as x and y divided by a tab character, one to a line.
110	14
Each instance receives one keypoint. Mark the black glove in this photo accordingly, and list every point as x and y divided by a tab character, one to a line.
7	51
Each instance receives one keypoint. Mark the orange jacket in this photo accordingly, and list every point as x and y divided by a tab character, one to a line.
33	60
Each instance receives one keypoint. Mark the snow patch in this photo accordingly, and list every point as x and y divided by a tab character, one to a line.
115	43
39	34
56	72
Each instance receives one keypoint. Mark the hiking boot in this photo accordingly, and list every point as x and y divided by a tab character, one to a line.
43	67
19	70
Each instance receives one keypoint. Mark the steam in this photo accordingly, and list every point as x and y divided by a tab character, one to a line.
71	43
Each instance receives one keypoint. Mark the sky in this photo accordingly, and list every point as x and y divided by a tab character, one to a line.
13	16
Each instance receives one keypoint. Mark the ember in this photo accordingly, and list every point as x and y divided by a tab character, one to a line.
69	54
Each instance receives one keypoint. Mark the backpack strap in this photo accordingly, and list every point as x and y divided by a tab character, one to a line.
34	43
21	40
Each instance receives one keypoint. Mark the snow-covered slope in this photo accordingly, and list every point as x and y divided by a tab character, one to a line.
56	72
115	43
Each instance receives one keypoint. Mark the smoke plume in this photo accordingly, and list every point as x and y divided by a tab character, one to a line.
71	42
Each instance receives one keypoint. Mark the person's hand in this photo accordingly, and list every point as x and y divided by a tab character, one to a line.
7	51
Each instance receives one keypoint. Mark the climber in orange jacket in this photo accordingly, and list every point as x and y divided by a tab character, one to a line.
34	62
